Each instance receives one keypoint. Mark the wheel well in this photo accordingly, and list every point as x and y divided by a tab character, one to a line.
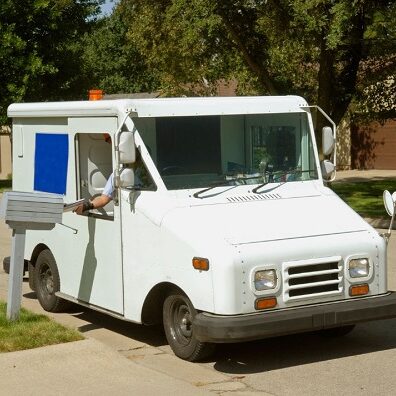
37	250
152	307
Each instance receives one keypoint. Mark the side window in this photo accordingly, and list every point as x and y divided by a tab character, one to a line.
94	167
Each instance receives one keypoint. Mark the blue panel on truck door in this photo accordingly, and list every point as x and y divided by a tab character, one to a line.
50	162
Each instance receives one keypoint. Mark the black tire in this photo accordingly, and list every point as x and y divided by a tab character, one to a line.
178	315
337	331
47	283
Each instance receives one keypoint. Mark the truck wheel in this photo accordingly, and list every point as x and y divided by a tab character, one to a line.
178	315
47	283
337	331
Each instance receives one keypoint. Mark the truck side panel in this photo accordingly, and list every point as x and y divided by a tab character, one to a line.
88	249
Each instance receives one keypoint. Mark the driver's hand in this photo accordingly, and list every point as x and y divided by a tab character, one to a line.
87	205
79	210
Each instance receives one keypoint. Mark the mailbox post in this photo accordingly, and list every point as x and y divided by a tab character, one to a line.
26	211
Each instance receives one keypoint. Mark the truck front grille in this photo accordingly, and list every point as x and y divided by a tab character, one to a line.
309	279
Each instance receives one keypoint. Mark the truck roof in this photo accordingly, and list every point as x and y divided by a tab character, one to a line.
161	107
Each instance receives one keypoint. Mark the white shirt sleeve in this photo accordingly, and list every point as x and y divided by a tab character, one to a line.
109	187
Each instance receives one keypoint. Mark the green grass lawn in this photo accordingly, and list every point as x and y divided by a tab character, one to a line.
365	197
32	331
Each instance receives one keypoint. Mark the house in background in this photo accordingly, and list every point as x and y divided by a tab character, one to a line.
5	153
373	146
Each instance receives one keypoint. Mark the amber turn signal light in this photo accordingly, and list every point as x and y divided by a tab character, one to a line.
265	303
200	263
359	290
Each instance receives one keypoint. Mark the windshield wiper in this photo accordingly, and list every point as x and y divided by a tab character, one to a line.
274	177
224	183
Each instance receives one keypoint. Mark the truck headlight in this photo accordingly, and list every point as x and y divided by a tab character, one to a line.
359	268
265	280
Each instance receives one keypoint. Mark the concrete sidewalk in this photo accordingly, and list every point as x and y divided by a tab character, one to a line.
365	175
85	367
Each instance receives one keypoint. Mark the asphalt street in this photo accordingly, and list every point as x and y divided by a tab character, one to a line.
362	362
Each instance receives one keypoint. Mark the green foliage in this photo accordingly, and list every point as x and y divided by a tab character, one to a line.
31	331
179	40
333	52
39	51
112	62
315	48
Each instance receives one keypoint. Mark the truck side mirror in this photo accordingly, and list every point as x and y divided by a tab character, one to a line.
390	206
328	141
389	202
127	178
327	168
126	147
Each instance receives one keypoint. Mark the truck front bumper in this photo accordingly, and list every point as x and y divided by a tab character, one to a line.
226	329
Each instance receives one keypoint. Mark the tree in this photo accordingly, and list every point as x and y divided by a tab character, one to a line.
316	48
112	62
39	51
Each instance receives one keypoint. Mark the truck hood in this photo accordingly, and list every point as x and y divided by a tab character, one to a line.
251	222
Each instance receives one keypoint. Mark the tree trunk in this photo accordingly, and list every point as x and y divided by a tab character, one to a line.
337	75
326	78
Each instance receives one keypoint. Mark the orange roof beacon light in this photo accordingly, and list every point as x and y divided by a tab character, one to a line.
95	94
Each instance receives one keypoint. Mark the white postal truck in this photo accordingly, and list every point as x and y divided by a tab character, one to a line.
220	227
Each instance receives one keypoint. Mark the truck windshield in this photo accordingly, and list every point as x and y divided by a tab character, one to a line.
200	151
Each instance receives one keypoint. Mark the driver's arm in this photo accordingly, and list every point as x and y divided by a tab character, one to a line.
99	201
96	203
